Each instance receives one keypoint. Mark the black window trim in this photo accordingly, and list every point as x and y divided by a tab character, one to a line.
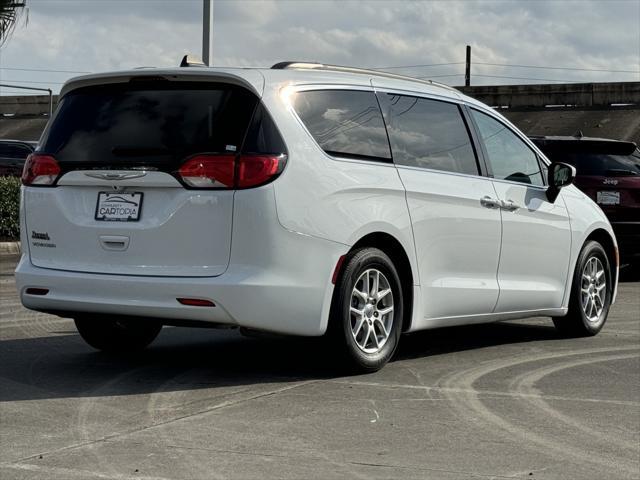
478	145
480	165
485	155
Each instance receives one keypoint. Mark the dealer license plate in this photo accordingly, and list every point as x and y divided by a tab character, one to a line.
608	198
119	207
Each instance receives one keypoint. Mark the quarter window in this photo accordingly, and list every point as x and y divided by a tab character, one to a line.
508	156
345	123
429	134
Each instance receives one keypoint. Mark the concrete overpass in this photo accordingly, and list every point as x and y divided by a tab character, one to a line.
609	110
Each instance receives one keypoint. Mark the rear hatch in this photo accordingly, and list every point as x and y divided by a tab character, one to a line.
607	171
120	204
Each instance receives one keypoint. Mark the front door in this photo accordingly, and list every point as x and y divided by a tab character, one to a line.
536	235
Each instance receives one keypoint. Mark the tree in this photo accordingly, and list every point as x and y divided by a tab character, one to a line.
9	12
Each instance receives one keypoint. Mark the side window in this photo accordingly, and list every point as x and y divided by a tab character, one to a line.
428	134
509	157
344	122
14	151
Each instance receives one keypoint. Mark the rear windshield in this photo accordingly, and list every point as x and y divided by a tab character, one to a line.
155	124
601	165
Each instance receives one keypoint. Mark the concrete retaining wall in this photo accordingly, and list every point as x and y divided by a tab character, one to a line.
26	105
571	94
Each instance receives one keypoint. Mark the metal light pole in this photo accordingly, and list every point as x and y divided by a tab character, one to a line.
467	70
207	32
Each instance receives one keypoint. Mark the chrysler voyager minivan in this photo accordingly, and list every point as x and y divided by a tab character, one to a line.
302	199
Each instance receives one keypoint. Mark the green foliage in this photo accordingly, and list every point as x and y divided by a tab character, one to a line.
9	12
9	208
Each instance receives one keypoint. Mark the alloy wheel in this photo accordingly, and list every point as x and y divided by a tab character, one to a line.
371	311
593	289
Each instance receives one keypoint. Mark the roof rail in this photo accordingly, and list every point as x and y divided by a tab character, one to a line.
366	71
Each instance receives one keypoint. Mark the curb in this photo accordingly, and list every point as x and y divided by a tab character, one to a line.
9	248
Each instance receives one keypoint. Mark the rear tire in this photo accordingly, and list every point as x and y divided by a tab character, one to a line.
117	334
366	314
591	293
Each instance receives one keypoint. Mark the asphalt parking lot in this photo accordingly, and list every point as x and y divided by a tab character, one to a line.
507	400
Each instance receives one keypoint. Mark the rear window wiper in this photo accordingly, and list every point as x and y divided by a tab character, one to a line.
138	151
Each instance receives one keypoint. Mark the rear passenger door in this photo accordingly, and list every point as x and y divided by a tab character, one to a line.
457	238
536	235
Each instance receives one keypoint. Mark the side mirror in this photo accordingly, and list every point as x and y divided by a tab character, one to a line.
560	175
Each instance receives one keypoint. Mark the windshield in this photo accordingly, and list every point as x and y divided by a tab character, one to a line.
155	124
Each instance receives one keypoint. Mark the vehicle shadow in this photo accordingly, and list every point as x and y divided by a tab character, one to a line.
62	366
443	341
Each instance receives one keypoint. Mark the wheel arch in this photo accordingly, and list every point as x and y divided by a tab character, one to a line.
604	238
398	255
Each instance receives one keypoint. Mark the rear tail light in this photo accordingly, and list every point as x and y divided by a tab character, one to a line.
209	171
254	170
40	170
231	171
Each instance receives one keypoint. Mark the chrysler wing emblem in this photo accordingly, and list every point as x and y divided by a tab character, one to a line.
115	176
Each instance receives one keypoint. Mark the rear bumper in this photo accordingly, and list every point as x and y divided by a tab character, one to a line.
277	280
243	297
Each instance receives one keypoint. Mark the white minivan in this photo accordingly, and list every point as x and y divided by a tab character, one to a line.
303	199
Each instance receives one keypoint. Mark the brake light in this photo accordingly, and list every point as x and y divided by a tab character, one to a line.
40	170
208	171
231	171
254	170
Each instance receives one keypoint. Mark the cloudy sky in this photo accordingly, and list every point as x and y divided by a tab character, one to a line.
592	40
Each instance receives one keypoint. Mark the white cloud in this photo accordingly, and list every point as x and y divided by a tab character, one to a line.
334	114
96	35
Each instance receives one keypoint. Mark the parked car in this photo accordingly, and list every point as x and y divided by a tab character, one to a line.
302	199
608	171
13	153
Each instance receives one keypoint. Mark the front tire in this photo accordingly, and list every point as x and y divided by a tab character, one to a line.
366	318
117	334
591	293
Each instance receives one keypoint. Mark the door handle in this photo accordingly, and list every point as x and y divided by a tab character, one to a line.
489	202
509	205
114	242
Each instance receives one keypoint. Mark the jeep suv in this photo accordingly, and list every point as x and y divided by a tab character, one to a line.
609	172
301	199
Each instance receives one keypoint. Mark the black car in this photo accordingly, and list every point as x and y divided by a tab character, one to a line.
609	172
13	153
